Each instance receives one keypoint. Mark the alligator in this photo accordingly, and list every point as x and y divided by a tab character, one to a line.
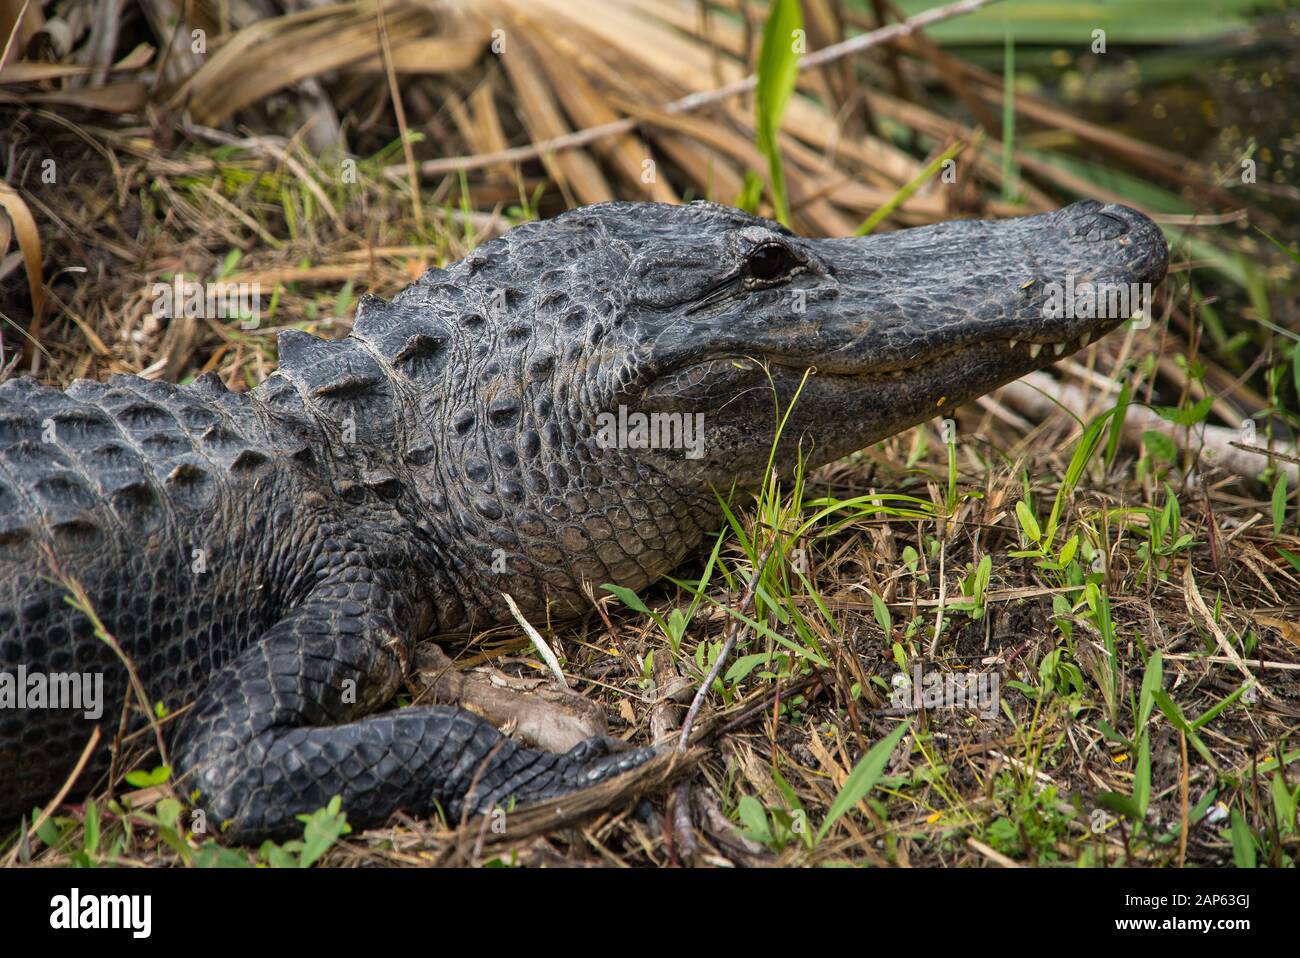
271	558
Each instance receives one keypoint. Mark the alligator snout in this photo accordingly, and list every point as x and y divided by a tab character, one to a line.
1137	240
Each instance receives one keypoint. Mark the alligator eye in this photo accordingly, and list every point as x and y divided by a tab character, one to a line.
770	261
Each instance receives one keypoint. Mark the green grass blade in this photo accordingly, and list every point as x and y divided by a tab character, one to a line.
1120	413
864	776
777	73
1279	244
907	190
1243	845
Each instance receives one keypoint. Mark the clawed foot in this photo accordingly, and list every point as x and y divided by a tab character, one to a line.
572	750
525	776
600	758
597	746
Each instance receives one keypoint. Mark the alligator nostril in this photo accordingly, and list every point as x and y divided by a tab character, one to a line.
1101	224
1119	221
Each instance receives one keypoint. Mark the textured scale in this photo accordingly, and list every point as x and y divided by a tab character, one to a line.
271	558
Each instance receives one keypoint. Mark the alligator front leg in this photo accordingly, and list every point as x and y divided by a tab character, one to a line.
283	728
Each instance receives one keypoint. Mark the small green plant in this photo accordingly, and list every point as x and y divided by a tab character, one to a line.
1043	537
1165	537
1010	173
777	828
882	615
1161	453
976	584
1033	823
139	778
321	829
1097	601
1057	675
1286	805
673	625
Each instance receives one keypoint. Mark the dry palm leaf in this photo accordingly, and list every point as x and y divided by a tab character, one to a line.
585	107
572	168
29	242
127	97
289	49
25	71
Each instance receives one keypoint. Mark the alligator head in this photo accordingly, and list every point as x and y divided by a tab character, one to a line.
572	335
896	328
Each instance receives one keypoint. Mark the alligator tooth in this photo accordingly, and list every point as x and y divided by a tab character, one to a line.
1035	349
1084	340
1014	344
1058	348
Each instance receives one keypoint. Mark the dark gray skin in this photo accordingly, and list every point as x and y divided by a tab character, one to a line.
273	557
